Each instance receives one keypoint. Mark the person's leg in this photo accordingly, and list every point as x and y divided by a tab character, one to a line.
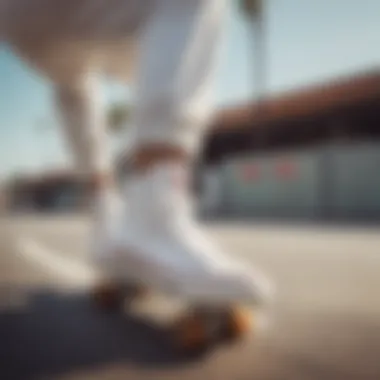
179	50
174	104
63	41
84	127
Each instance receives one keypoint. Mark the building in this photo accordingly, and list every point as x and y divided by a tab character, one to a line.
49	191
313	153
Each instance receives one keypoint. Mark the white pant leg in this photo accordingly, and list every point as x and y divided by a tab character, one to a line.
176	72
83	120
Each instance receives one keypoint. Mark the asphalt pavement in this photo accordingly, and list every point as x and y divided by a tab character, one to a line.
326	319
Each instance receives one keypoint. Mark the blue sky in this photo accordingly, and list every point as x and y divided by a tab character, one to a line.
307	41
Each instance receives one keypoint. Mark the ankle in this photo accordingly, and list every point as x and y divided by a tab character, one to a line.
146	157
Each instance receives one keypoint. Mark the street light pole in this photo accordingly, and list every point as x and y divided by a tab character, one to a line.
254	10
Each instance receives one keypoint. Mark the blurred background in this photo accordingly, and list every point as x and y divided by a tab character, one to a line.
296	134
296	139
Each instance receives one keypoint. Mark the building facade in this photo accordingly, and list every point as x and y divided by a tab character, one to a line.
309	154
50	192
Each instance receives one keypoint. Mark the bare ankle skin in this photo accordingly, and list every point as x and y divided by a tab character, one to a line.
148	156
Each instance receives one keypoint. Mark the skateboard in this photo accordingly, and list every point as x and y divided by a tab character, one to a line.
195	330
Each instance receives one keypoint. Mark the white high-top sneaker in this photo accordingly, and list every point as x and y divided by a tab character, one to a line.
161	245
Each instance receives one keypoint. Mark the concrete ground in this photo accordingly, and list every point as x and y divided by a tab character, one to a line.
326	319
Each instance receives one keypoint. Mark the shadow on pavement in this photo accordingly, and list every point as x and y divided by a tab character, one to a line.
55	334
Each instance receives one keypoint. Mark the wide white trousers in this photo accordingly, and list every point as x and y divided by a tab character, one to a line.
169	47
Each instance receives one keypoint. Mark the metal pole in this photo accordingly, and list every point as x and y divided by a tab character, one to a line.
254	10
260	55
259	51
